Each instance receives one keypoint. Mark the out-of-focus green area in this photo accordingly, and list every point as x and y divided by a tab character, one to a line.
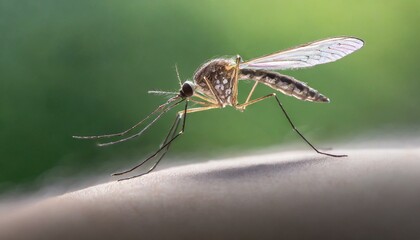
84	67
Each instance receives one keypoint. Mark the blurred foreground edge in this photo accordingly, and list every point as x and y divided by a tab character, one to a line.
372	194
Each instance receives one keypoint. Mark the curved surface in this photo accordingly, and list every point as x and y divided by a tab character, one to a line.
372	194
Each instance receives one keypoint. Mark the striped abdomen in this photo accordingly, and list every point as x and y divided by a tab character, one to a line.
285	84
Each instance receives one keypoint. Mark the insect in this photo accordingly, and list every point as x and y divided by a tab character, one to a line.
215	85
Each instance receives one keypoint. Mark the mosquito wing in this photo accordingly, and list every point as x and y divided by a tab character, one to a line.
307	55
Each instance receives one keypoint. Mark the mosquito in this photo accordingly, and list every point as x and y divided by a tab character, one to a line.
215	85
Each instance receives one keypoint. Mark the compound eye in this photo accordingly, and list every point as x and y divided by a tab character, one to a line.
187	89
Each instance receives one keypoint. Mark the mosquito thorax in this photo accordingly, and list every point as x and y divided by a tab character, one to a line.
187	89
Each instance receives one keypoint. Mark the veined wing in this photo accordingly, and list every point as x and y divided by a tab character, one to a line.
307	55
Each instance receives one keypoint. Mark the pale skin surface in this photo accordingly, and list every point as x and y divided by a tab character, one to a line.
372	194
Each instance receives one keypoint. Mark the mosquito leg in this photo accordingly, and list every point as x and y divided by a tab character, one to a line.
165	146
165	150
235	82
144	129
250	94
200	109
212	90
300	134
134	135
246	104
171	134
120	133
200	102
205	98
289	120
161	107
173	130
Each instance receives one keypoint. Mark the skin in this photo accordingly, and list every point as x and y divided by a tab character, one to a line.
372	194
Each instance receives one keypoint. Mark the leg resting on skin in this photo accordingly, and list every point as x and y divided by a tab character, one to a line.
243	106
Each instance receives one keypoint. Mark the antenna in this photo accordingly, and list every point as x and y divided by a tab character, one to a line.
177	74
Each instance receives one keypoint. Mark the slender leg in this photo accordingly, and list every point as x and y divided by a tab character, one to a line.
166	144
175	124
200	102
290	121
144	129
235	82
205	98
200	109
242	106
160	108
250	94
173	130
171	134
212	90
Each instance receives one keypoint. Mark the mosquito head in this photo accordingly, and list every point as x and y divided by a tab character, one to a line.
187	89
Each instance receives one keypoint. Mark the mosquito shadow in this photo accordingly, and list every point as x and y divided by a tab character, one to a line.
263	169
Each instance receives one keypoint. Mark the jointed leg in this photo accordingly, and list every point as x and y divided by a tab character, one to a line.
242	106
250	94
205	98
172	135
200	109
160	108
235	82
143	130
213	91
200	102
164	145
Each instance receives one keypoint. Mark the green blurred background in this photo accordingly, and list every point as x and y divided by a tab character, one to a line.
84	67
